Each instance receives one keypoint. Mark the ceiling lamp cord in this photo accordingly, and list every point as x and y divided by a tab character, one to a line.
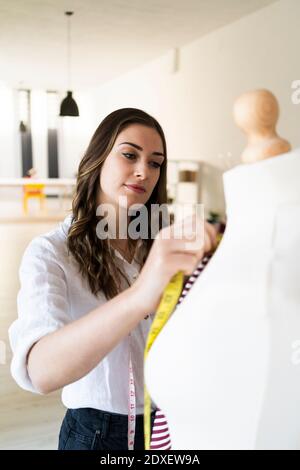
69	106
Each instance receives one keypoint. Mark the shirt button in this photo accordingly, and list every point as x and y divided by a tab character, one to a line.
135	276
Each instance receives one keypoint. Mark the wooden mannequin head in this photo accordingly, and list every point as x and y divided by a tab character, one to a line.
256	113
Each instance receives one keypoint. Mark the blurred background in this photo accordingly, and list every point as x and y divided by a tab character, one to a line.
184	62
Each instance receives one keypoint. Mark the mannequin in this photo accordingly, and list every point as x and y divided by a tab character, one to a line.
256	113
223	369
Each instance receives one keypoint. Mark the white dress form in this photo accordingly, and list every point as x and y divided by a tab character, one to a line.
225	370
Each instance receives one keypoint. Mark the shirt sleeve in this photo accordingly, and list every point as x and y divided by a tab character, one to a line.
42	304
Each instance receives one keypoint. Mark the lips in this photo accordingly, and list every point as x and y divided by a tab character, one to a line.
135	188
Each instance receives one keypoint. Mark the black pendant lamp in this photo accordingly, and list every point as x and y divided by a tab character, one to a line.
68	105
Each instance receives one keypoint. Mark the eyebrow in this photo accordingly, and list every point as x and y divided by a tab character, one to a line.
140	148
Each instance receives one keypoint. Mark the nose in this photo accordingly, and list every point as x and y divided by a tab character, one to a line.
141	170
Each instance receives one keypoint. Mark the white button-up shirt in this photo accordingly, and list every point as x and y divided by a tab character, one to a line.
52	294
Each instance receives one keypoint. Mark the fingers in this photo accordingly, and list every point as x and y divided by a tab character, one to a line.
189	228
210	237
189	235
212	233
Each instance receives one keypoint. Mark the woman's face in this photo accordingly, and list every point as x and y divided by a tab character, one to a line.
135	159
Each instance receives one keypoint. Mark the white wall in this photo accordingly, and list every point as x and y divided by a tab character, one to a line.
9	144
73	133
39	131
194	105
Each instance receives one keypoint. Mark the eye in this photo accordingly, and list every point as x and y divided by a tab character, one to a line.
129	156
132	156
155	164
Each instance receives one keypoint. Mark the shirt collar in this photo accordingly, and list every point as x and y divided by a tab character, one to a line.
137	258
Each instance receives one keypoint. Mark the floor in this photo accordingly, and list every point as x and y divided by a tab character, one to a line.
27	420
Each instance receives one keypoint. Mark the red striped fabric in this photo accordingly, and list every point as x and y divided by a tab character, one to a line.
160	437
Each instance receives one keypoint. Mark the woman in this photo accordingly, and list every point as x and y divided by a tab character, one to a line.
86	302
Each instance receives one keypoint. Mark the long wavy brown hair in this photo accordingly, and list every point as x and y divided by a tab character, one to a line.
96	260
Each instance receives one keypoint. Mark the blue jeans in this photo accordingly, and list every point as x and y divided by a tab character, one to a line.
90	429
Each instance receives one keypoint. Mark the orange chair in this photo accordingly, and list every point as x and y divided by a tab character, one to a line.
32	190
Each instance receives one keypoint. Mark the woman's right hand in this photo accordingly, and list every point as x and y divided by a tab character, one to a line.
170	254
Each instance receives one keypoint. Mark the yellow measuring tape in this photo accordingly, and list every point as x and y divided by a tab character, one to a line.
167	304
